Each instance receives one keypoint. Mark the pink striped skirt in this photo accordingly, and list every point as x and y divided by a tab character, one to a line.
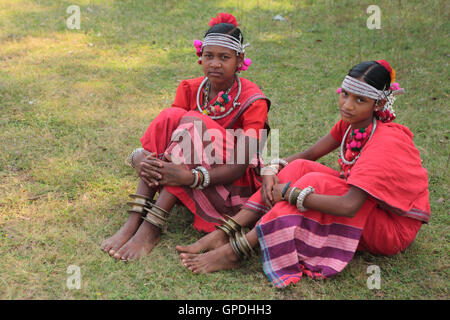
321	245
195	140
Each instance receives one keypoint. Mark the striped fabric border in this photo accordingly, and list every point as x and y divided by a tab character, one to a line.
255	206
213	202
292	245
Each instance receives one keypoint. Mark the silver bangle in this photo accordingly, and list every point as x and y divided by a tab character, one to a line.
206	178
301	197
194	185
130	158
279	161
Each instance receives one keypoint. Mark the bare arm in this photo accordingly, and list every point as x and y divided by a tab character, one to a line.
344	206
322	147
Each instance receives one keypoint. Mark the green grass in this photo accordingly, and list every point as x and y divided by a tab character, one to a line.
74	103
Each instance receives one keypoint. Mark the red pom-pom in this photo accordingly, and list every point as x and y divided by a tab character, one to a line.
385	64
223	17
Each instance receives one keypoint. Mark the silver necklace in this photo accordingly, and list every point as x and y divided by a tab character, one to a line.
235	103
349	163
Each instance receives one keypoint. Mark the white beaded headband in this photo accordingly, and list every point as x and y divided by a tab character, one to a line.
361	88
224	40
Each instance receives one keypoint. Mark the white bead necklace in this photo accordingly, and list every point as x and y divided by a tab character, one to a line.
349	163
235	103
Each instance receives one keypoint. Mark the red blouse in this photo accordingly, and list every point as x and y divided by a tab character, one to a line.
254	117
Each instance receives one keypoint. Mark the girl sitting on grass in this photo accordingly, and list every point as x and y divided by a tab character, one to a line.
314	218
205	178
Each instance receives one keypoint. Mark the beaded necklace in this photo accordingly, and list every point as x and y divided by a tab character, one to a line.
222	99
359	138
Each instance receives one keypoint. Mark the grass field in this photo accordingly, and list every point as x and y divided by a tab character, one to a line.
74	103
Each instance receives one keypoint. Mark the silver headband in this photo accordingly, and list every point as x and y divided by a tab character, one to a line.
223	40
361	88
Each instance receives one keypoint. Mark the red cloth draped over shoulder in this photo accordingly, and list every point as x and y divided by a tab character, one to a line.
390	170
208	205
252	113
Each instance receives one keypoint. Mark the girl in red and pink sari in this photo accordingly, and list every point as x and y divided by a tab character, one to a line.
203	151
311	219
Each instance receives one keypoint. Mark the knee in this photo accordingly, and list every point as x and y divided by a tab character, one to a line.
295	170
311	178
299	163
323	183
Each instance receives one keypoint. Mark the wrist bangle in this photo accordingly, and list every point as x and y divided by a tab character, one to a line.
283	193
301	197
291	198
196	177
279	162
294	196
206	178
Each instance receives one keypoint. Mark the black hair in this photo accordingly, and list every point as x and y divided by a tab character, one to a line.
226	28
373	73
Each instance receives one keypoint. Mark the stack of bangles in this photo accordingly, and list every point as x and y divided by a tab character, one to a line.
274	167
236	235
297	196
149	211
201	178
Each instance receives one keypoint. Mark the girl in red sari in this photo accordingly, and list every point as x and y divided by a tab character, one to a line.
203	151
314	218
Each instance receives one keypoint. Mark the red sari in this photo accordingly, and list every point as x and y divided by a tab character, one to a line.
321	245
184	120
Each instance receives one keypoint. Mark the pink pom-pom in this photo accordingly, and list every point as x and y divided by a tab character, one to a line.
247	62
339	90
364	135
353	144
395	86
198	47
198	43
358	144
243	68
358	136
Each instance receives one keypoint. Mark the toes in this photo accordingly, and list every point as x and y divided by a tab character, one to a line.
187	256
181	248
106	246
121	254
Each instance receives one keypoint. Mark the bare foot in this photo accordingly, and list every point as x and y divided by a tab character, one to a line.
140	244
211	241
222	258
114	243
